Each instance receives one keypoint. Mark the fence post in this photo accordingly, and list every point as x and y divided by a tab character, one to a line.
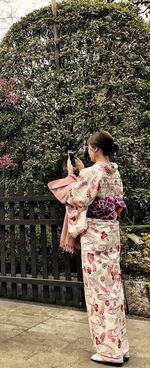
2	241
55	254
43	245
33	244
12	242
22	243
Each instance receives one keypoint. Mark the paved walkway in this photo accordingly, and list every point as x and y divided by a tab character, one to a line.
41	336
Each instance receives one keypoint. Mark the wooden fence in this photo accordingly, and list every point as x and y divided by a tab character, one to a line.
32	266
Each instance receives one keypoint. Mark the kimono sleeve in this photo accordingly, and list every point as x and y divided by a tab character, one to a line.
85	190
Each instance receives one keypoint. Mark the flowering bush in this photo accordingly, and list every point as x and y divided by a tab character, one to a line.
6	92
7	95
5	161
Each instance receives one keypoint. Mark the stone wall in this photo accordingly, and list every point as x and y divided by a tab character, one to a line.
137	297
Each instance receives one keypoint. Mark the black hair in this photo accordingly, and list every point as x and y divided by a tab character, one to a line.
104	141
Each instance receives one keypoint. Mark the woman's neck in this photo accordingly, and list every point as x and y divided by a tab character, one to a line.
104	159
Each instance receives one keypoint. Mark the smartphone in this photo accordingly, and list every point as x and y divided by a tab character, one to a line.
72	158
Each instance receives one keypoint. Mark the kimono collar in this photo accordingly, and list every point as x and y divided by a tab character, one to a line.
110	168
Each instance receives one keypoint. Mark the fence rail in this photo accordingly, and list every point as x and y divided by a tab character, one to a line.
32	266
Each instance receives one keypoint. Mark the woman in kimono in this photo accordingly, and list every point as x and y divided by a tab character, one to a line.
100	248
97	197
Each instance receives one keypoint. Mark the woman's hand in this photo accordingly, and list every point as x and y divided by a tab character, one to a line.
79	164
70	168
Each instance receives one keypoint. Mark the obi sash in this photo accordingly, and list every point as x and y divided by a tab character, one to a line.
108	208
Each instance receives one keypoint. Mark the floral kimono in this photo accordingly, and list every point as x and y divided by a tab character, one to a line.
100	250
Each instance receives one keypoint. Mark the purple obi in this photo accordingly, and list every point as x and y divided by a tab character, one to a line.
106	209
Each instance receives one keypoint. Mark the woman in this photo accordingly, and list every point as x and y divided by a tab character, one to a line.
97	197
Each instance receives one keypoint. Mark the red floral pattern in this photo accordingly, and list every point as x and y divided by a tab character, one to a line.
103	291
100	248
104	235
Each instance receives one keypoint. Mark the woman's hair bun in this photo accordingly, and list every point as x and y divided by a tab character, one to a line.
115	147
104	141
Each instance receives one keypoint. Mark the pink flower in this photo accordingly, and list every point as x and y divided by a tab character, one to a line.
109	269
89	270
113	275
112	339
95	186
122	307
97	253
97	341
3	83
119	279
102	278
88	193
6	161
90	257
118	247
84	183
104	235
2	144
95	307
94	268
119	343
102	316
6	83
13	98
103	336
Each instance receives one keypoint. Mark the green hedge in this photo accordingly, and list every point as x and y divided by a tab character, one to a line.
101	83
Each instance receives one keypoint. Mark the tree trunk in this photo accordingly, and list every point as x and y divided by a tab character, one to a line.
56	37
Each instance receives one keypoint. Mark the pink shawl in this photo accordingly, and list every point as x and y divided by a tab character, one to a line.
61	188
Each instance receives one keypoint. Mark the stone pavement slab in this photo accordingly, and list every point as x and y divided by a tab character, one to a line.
44	336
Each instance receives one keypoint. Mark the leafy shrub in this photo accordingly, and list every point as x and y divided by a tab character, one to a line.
100	82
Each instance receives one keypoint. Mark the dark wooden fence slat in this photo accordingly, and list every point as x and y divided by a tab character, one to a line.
27	198
67	264
12	243
55	252
41	281
55	255
55	248
80	297
22	244
3	245
33	246
54	221
79	266
44	246
67	261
